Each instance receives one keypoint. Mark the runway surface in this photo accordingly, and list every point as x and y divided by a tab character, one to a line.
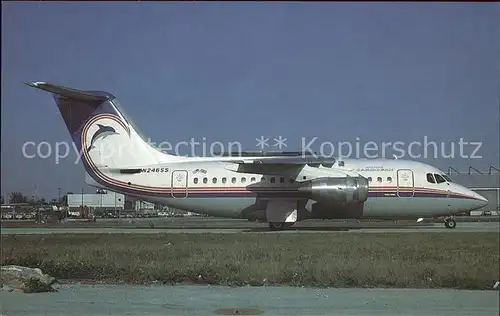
214	300
231	229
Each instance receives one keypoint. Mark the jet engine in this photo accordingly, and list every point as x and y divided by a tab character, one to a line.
337	191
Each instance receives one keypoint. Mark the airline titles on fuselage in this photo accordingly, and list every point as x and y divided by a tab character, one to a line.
199	171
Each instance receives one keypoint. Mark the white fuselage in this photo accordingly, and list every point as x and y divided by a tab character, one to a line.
397	188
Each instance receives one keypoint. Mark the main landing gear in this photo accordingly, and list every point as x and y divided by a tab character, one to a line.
449	222
279	226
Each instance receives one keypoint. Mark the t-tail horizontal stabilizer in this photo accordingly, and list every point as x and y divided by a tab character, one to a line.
67	92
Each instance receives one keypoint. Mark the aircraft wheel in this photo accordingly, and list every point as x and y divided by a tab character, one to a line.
450	223
279	226
276	226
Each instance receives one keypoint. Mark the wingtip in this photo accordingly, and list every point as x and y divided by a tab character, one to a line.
34	84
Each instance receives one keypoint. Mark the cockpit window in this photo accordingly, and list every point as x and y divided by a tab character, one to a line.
447	178
439	179
430	178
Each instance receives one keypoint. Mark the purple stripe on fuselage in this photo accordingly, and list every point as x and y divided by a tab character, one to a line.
417	194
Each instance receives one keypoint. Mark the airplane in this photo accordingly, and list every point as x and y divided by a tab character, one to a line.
280	188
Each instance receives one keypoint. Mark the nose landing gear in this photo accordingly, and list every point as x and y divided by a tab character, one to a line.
450	222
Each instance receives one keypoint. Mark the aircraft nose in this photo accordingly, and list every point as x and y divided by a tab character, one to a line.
480	201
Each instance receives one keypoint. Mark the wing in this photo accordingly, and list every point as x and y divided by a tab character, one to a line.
274	165
279	165
278	160
290	166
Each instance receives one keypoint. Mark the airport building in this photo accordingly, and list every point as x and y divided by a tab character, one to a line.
144	206
108	202
102	201
484	182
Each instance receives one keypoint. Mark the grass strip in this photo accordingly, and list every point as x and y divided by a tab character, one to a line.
403	260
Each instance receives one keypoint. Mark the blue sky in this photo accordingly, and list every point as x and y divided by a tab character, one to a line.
235	72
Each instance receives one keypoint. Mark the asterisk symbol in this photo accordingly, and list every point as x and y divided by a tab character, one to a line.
262	142
280	142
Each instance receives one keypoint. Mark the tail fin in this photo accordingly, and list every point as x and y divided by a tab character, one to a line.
100	130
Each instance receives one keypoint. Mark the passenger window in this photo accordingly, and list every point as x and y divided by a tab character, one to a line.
214	180
282	180
195	180
430	178
252	180
439	179
263	179
272	180
389	179
292	181
205	180
379	179
233	180
224	180
369	179
243	180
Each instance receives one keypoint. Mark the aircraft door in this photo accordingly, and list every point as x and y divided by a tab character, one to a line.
179	184
406	184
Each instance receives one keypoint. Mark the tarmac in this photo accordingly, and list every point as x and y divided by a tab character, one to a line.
80	299
259	228
86	299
